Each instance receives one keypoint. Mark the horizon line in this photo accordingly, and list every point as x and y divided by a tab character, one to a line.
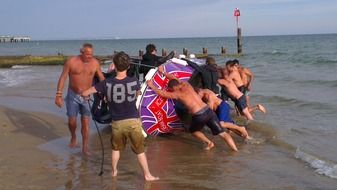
119	38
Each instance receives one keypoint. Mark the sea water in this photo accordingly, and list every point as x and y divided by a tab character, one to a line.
295	142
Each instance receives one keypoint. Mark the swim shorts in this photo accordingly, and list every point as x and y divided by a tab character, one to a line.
241	103
75	104
223	112
206	117
127	129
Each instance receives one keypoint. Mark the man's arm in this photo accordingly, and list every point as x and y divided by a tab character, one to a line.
251	78
167	75
222	82
161	93
99	72
60	84
162	60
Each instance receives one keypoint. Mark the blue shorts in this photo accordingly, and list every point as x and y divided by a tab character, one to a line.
223	112
75	104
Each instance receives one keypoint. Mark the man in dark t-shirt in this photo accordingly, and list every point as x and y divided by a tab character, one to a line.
121	92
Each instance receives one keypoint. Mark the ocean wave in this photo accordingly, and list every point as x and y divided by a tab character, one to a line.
321	166
329	83
302	104
15	77
323	61
274	52
20	66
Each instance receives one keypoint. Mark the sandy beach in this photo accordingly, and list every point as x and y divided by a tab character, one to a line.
22	164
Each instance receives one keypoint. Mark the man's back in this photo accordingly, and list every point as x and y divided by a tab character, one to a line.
121	94
189	98
230	87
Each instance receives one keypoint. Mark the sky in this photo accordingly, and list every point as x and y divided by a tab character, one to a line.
130	19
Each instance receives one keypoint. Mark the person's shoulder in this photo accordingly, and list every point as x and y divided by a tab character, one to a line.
95	61
73	58
131	78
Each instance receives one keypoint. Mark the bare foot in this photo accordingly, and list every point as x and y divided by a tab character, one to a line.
114	173
261	108
86	152
244	132
209	146
73	143
151	178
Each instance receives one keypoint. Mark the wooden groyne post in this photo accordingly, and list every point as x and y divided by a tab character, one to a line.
163	52
185	52
239	41
237	14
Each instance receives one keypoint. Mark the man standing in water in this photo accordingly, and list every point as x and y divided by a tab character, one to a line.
81	70
121	92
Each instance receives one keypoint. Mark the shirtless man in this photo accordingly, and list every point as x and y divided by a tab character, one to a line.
201	114
246	76
242	83
222	109
81	70
235	94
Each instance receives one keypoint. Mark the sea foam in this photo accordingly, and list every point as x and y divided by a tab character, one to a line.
322	167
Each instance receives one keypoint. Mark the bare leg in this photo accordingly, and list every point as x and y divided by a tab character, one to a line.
262	108
85	135
247	114
72	128
114	161
248	100
229	140
201	136
241	131
257	107
143	164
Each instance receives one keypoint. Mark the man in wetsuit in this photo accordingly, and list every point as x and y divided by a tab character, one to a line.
209	74
151	60
201	114
81	70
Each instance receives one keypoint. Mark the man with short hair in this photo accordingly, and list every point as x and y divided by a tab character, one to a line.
81	70
121	92
151	60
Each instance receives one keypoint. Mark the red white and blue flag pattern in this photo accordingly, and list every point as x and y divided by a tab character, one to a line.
157	113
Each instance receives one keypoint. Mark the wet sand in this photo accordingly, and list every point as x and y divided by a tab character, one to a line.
22	164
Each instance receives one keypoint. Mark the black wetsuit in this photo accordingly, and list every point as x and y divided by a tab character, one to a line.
153	61
209	74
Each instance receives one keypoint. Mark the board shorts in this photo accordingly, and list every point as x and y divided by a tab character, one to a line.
206	117
75	104
241	103
223	112
127	130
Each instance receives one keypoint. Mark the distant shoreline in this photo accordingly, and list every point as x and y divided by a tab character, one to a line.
9	61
